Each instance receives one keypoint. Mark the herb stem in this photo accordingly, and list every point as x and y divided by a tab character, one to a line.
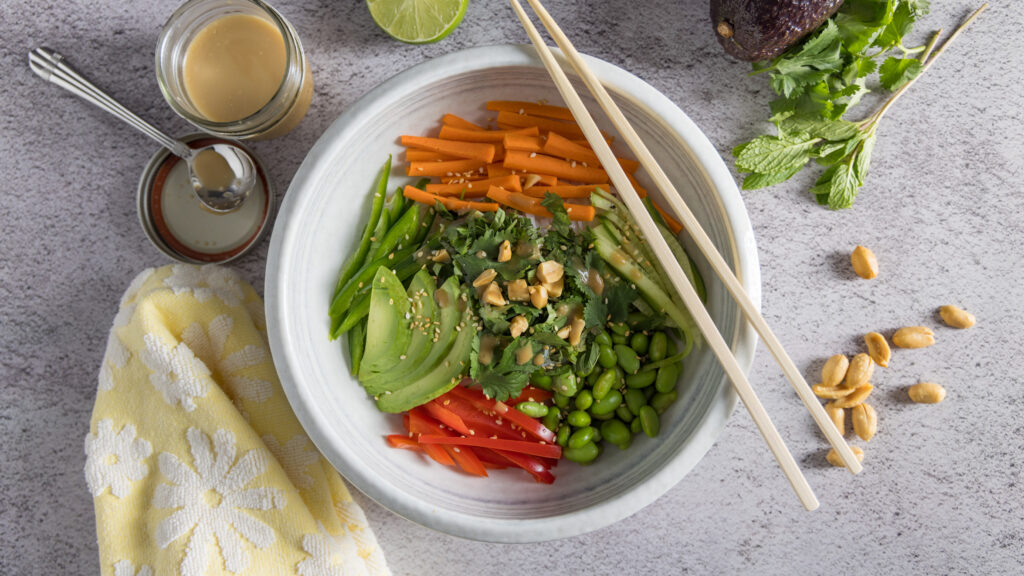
931	45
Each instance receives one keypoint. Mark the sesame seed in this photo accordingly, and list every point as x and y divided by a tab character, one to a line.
420	168
533	154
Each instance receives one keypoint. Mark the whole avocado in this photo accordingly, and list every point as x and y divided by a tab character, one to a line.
756	30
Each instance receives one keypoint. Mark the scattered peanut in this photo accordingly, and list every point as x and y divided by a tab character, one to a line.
913	337
538	296
864	262
956	317
927	393
440	256
518	325
831	393
518	291
860	372
549	272
576	330
505	251
859	395
530	180
865	421
492	295
563	332
833	456
485	278
834	371
838	416
878	348
554	288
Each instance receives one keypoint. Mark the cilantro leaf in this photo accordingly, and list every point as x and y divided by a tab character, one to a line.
896	72
902	22
770	154
811	63
507	378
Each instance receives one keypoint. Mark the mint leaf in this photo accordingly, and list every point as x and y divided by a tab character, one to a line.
769	154
755	181
860	165
896	72
843	187
833	130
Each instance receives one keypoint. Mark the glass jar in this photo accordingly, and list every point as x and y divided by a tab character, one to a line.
282	112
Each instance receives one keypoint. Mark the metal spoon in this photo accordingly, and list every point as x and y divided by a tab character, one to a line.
230	172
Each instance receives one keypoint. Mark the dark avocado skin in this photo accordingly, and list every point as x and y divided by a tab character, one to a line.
763	29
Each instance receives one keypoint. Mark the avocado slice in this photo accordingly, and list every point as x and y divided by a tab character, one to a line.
387	330
441	379
762	30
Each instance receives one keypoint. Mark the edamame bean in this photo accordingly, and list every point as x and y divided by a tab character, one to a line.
562	436
667	377
584	399
597	436
608	404
560	400
584	454
670	348
617	433
619	328
627	358
541	380
641	379
662	400
565	384
553	417
603	417
658	346
619	339
586	372
635	427
532	409
578	419
624	413
605	383
603	339
649	421
634	400
639	342
583	436
594	376
607	357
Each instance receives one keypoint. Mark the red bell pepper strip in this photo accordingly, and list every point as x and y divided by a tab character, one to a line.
403	441
530	425
437	409
519	446
419	423
491	460
531	394
535	466
422	424
481	424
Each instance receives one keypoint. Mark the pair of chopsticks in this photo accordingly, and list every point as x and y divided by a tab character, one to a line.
671	265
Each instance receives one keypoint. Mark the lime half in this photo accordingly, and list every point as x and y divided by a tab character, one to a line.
417	21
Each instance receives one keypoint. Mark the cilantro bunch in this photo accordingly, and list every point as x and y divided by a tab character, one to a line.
820	79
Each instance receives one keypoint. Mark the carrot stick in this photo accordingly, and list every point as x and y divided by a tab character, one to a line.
561	147
413	155
456	122
462	179
540	164
580	212
540	179
530	108
510	120
475	189
539	190
450	168
522	142
468	150
498	170
530	205
674	225
490	136
413	193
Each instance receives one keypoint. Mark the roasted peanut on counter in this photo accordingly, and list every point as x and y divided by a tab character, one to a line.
864	262
834	370
927	393
860	371
956	317
878	349
914	337
833	456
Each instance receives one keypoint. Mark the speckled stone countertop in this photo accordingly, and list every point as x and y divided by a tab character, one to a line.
942	491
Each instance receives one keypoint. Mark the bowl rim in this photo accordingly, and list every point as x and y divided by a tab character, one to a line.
743	341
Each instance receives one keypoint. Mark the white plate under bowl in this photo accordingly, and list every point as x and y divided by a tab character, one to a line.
320	222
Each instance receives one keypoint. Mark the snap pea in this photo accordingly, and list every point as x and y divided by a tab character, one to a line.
532	409
617	433
641	379
667	378
560	400
425	226
603	339
565	384
627	358
356	260
639	342
657	347
619	339
562	436
608	379
649	422
358	311
607	358
624	413
364	277
541	380
397	205
608	404
635	426
552	418
400	233
578	419
634	400
581	437
662	400
583	400
584	454
356	345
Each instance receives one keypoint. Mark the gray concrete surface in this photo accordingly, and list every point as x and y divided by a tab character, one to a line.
942	490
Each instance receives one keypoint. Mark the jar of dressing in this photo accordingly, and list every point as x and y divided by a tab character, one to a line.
234	68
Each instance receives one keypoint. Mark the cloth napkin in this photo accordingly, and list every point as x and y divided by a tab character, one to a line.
195	460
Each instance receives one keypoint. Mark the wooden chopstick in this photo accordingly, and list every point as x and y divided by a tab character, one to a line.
718	264
671	267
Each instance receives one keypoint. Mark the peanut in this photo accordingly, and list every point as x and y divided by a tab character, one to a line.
441	256
518	291
859	395
838	416
492	295
864	262
538	296
518	325
831	393
956	317
485	278
549	272
834	370
576	331
505	251
861	370
865	421
927	393
878	349
554	288
833	456
913	337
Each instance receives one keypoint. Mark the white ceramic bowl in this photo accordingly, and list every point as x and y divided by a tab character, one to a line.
320	221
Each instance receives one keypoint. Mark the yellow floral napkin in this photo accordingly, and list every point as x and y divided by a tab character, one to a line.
195	461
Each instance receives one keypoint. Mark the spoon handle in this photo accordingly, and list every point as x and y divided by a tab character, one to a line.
50	66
